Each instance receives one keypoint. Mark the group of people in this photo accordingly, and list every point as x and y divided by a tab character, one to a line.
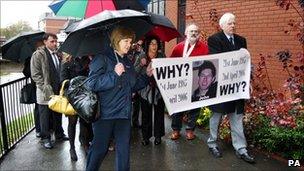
49	69
118	76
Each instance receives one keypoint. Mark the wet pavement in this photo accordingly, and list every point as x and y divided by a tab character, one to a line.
170	155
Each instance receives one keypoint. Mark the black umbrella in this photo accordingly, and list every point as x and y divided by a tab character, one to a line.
70	25
91	35
22	46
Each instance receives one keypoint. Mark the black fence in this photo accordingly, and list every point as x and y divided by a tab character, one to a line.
16	119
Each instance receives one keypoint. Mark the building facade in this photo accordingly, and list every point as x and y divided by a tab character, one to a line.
261	22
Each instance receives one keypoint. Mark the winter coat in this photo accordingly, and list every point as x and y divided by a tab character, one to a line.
146	93
40	72
114	91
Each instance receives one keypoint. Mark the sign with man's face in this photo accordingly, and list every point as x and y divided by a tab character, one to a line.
189	83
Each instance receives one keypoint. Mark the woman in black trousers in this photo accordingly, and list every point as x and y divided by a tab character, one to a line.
73	67
150	98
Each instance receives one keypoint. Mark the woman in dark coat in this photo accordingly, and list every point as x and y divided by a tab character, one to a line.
73	67
113	77
151	99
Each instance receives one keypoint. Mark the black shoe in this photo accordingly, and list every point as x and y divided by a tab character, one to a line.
47	144
246	157
62	138
38	135
215	152
73	155
145	142
157	141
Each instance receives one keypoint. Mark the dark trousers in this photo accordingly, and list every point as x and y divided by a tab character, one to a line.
177	120
49	120
136	108
85	133
103	131
57	124
37	118
45	120
147	122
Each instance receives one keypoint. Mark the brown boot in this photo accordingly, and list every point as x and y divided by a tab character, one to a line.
190	135
175	135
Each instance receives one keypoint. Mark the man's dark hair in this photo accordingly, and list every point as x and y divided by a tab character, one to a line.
47	35
206	65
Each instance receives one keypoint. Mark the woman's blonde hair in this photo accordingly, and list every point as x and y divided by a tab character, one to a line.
66	57
120	33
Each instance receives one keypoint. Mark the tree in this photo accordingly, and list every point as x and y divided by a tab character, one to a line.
15	29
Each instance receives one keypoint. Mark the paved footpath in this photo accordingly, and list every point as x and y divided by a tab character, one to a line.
170	155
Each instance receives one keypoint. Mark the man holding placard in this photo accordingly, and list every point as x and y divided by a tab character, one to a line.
192	46
225	41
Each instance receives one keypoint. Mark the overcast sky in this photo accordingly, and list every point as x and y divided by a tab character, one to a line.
14	10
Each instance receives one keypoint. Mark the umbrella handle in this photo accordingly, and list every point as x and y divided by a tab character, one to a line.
117	60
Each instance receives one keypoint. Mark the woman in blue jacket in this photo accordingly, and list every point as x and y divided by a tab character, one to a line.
113	78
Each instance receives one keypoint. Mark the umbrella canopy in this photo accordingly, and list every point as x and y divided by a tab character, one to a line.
163	28
91	36
88	8
22	46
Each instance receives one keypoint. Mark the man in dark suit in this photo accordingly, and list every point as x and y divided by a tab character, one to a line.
225	41
45	71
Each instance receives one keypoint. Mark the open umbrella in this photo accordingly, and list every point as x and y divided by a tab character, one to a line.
91	35
22	46
88	8
163	28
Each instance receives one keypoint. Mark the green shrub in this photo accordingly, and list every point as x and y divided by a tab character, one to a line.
286	141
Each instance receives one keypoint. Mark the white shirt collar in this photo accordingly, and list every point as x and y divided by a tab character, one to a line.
228	36
51	52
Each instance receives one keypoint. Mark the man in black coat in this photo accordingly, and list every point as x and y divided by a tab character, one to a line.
225	41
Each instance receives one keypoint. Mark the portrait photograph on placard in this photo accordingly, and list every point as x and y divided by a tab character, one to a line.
204	79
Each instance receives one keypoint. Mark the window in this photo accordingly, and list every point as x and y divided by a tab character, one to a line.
181	18
157	7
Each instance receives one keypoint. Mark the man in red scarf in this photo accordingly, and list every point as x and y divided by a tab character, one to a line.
190	47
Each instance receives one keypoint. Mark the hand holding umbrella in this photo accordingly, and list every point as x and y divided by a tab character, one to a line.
119	69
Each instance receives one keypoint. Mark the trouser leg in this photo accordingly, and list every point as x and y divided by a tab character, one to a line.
214	124
44	121
37	117
72	130
146	119
159	120
102	130
176	122
122	131
192	119
237	132
136	108
57	124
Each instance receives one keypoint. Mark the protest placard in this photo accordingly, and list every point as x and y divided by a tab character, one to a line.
189	83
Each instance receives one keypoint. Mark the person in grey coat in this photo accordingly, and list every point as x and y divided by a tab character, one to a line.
113	78
45	71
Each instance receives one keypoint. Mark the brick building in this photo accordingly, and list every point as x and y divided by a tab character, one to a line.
48	22
261	22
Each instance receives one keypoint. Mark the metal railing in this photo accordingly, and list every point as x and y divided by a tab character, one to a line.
16	119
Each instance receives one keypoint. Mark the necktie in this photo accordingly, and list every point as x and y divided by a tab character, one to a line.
55	60
231	41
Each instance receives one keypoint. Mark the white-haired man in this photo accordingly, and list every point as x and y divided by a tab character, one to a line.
225	41
191	46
